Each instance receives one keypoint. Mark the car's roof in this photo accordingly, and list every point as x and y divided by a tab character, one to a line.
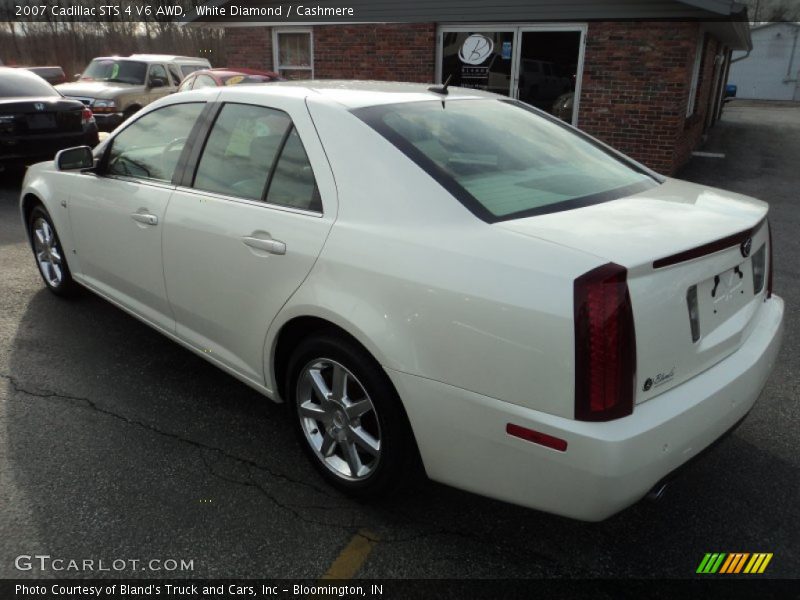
168	58
155	58
21	71
236	71
358	94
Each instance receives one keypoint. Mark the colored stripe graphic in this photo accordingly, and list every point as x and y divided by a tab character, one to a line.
711	562
737	565
727	564
734	563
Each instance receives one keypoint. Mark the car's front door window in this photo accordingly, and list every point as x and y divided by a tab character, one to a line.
158	73
204	81
187	84
150	147
175	74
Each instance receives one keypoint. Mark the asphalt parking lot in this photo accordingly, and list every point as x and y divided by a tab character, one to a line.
117	443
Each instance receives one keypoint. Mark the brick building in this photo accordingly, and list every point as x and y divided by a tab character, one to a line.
647	77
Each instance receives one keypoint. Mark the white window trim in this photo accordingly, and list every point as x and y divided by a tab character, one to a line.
275	55
698	61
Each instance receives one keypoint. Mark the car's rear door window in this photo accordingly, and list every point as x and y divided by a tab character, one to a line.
255	152
241	149
293	182
504	160
151	146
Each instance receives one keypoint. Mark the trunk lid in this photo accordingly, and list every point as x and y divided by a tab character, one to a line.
40	116
677	241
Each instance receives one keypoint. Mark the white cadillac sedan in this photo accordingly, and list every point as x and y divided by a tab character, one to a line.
423	273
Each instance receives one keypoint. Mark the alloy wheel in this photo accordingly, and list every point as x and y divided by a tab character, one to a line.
338	419
48	252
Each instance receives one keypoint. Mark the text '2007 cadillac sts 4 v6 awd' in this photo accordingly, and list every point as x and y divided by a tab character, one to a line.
424	274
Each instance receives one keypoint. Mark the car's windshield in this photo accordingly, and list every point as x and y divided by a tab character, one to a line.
22	85
119	71
502	159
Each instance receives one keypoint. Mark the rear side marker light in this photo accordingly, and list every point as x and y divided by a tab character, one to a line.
759	269
605	345
529	435
694	313
769	267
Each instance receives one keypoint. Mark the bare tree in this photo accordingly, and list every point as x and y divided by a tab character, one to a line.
72	42
764	11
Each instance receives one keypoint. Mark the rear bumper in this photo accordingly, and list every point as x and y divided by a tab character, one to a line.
607	466
27	151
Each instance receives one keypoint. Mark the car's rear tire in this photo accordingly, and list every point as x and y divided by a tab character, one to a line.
348	417
49	254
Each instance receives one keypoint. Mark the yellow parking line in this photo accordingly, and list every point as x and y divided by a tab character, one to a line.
352	557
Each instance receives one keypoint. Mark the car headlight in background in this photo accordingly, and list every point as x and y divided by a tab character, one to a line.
104	106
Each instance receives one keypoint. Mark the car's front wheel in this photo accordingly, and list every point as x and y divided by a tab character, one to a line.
49	254
348	416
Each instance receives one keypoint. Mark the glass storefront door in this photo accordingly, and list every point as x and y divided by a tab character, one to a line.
478	59
539	64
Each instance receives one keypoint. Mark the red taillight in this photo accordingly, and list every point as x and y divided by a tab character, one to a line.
769	267
605	345
87	116
537	437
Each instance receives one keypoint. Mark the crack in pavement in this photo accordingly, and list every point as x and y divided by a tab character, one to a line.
250	482
92	405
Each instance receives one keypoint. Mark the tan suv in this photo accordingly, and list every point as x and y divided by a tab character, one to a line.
116	87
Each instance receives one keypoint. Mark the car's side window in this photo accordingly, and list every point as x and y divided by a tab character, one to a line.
187	84
149	148
158	72
293	182
204	81
241	150
175	74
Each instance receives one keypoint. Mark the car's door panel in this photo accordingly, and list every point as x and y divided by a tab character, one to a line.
231	262
117	216
121	255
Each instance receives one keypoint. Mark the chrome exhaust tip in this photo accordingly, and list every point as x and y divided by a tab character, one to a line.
658	492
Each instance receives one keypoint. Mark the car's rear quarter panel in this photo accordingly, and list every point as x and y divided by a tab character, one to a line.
433	291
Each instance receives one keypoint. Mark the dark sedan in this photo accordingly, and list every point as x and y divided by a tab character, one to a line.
36	121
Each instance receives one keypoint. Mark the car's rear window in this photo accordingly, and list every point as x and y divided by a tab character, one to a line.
504	160
24	84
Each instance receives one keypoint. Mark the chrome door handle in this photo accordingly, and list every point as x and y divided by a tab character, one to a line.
145	218
268	245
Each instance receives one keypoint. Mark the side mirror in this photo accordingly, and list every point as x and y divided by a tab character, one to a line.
73	159
157	82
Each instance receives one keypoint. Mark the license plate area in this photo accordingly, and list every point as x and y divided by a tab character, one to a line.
43	121
721	296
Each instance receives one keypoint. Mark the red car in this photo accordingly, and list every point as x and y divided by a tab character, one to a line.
222	76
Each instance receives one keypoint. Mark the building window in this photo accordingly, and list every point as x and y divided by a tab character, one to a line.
293	52
698	61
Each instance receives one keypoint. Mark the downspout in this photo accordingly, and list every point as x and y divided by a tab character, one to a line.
735	60
789	71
